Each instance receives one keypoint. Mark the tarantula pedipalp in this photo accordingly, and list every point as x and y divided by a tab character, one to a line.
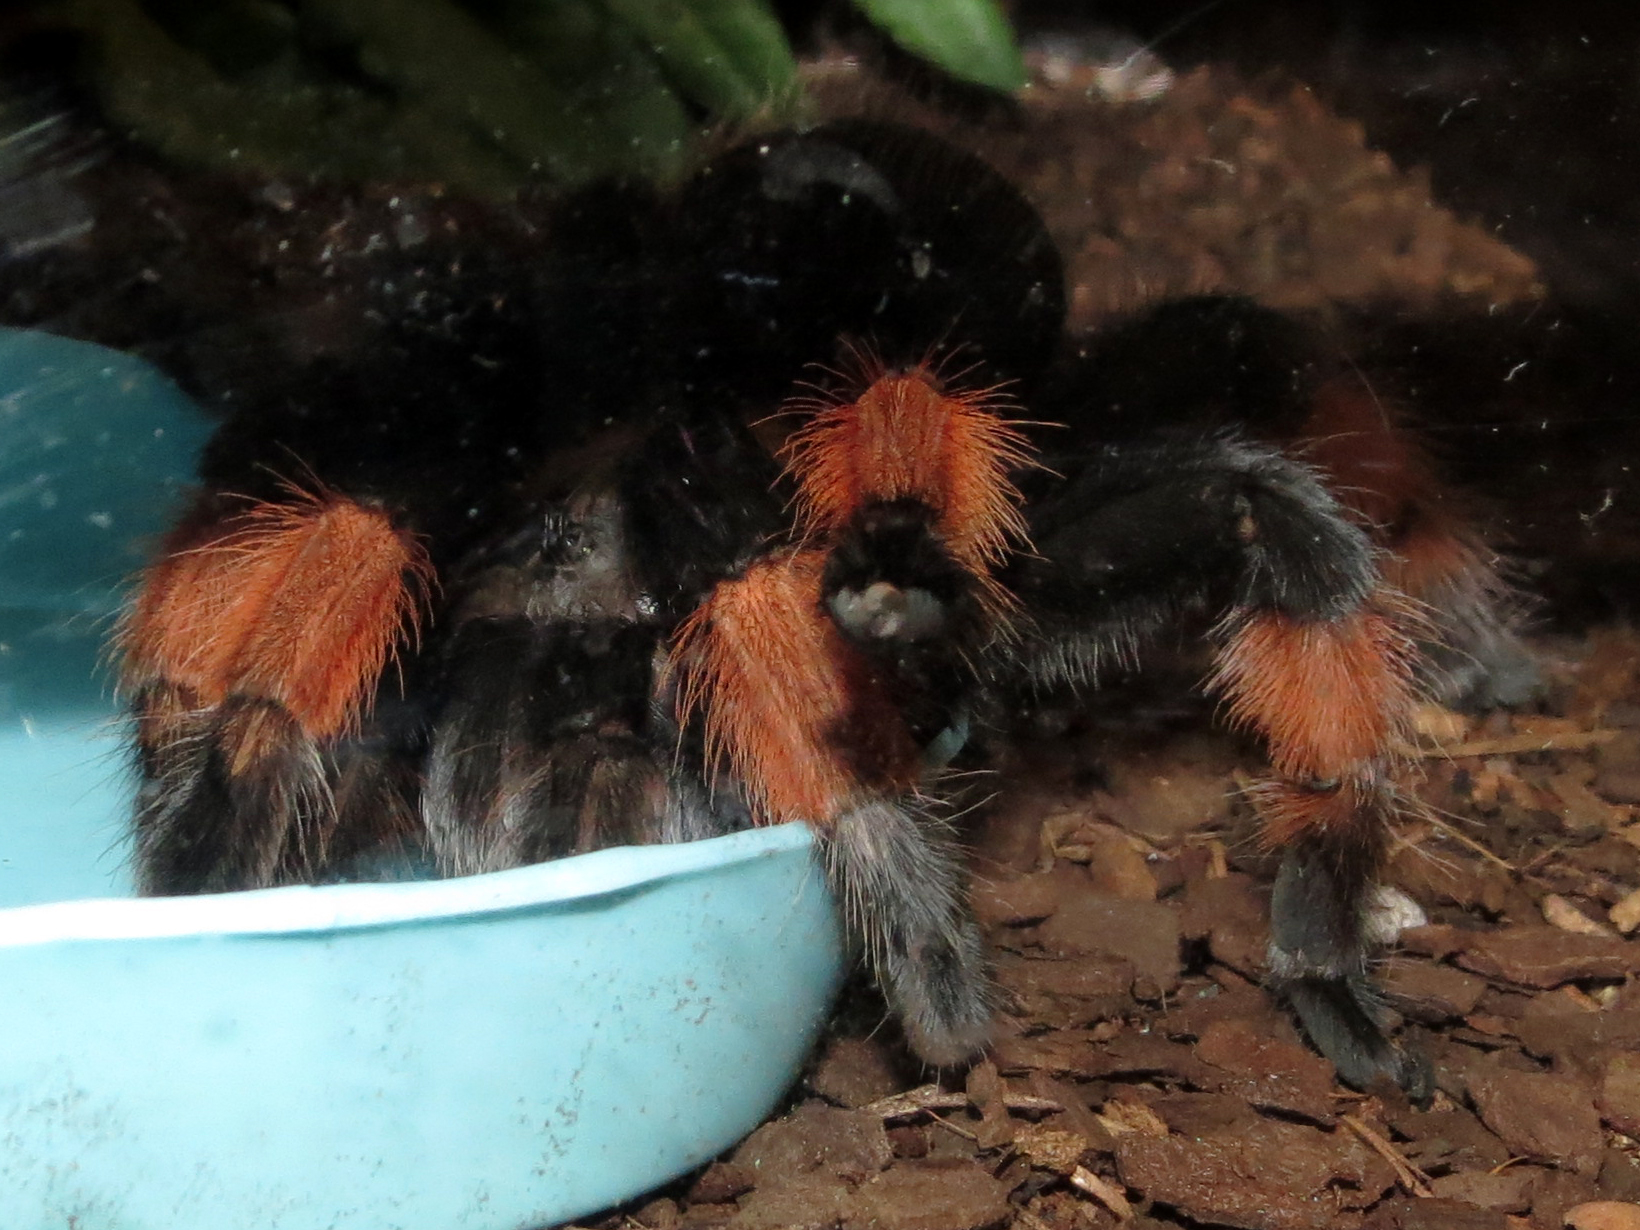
608	627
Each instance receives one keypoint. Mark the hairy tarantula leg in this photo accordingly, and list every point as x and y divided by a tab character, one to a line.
549	735
1473	655
223	794
798	716
904	892
1331	697
257	637
1316	654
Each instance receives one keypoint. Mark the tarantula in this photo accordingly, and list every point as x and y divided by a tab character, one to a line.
563	565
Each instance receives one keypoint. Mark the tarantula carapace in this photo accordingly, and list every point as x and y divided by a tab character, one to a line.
597	587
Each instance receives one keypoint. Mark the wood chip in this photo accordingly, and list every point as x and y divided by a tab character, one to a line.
1463	839
1561	913
1050	1148
1076	1116
987	1093
1411	1178
1268	1175
1543	957
1603	1215
929	1195
855	1072
1625	915
1107	1194
1581	809
1122	1118
1508	1192
1515	745
1618	1097
1143	932
1271	1073
927	1099
1540	1115
1439	725
819	1138
1029	1220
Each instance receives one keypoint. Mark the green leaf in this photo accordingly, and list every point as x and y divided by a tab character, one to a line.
436	55
607	74
489	95
730	56
970	39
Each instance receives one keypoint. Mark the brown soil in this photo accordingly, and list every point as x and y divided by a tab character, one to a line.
1143	1078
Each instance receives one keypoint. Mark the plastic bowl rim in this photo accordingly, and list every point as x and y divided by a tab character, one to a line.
307	909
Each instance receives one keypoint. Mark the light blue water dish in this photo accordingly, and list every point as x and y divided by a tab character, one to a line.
495	1053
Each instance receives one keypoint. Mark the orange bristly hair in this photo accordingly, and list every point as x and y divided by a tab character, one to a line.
1332	698
789	707
907	438
302	602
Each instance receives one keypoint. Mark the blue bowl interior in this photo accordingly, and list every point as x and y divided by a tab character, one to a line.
96	450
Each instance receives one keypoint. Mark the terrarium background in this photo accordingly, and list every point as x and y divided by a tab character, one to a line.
1453	200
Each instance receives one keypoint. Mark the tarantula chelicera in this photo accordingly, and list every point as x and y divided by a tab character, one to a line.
563	565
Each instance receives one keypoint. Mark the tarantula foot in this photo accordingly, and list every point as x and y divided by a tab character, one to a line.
901	883
1344	1017
943	998
1323	926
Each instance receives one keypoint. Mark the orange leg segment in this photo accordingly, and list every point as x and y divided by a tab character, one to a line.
302	603
257	639
1331	698
1382	478
789	706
